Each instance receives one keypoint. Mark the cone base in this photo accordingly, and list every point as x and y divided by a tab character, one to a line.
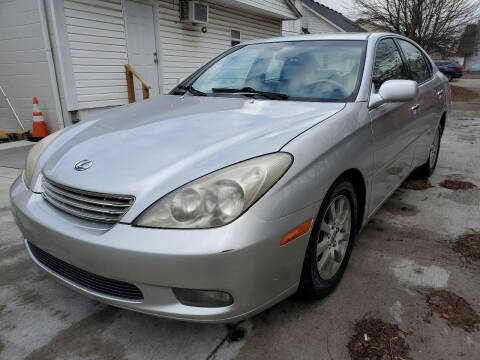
39	129
34	138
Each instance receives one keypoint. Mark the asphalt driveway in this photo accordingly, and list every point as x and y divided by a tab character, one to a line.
399	257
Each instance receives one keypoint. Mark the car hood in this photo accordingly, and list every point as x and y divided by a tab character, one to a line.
151	148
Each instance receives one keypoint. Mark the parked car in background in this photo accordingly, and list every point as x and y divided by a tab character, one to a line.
451	69
247	183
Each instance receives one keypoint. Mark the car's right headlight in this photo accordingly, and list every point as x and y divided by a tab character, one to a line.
34	154
218	198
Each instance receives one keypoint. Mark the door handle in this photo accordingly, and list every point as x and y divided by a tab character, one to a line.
414	107
155	57
440	92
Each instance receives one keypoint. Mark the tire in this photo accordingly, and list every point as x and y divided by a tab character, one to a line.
427	169
449	77
315	284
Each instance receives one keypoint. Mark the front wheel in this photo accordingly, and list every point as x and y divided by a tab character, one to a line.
331	241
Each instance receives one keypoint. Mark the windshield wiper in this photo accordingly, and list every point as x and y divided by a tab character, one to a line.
251	91
192	90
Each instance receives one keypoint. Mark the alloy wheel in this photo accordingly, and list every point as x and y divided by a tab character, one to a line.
434	149
334	236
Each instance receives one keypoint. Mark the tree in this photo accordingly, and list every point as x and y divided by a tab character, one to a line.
436	25
468	40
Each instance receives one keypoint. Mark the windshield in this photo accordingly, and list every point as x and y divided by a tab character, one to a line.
298	70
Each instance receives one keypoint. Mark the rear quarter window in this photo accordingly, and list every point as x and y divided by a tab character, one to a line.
416	61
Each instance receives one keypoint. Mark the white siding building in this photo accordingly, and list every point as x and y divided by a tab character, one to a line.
71	54
317	19
25	69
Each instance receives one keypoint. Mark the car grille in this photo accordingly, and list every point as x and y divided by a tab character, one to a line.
97	283
85	204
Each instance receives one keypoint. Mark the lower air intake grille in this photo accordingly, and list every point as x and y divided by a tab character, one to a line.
97	283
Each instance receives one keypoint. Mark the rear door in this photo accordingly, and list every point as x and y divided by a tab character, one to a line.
392	126
429	102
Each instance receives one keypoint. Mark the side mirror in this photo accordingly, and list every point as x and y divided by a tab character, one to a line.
180	80
393	91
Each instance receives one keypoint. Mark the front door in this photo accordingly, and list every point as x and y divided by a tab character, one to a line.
141	45
393	127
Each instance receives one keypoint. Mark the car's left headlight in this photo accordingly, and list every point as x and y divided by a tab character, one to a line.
34	154
217	198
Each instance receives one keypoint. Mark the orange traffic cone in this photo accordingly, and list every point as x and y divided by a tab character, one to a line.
39	128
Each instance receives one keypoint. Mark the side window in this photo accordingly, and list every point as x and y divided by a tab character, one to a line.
429	65
235	37
388	63
416	61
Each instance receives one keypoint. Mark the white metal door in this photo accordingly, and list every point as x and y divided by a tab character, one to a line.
142	49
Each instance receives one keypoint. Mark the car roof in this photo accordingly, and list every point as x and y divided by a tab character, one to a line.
330	36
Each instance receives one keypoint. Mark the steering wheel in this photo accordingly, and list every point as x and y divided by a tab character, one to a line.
335	86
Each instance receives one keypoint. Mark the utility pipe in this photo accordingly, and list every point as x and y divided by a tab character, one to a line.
11	107
51	64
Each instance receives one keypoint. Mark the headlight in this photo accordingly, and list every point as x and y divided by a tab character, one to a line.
218	198
34	154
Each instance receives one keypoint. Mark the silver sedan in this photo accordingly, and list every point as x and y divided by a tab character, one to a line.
247	183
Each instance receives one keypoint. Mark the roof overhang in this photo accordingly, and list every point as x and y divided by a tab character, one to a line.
291	12
328	21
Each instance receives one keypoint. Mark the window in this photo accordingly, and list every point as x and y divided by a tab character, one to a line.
303	70
416	62
388	63
235	36
230	71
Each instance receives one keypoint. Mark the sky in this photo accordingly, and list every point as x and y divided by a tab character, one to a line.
346	7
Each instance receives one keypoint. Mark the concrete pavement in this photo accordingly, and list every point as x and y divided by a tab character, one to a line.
471	75
405	249
12	154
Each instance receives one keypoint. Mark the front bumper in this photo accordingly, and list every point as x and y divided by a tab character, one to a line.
243	258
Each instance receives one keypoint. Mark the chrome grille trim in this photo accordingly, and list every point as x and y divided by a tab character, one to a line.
100	207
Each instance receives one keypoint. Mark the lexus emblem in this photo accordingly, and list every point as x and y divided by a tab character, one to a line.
83	165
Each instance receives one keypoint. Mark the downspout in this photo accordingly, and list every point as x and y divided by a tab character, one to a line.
51	64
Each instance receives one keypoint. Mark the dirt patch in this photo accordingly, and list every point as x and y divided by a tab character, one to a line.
374	339
462	94
400	208
416	184
453	308
457	185
235	333
469	246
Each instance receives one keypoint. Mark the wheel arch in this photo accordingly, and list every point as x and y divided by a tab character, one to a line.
443	120
358	181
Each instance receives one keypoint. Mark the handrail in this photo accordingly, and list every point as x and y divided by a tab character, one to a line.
130	87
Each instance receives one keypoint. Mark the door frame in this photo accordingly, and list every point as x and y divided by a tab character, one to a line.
156	30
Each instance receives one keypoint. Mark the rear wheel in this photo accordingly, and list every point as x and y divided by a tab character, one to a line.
427	169
449	77
331	241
